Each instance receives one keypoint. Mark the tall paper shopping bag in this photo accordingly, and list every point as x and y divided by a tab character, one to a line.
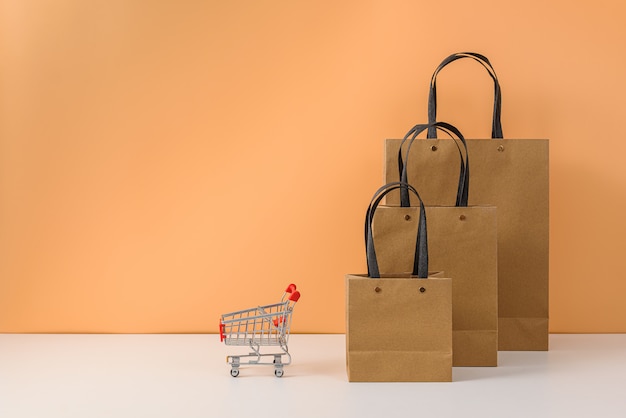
512	175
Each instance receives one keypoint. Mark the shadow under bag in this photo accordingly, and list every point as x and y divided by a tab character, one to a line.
398	326
512	175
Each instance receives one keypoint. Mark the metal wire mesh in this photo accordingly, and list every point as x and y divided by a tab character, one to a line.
264	325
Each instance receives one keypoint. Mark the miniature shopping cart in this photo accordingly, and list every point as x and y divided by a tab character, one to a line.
261	326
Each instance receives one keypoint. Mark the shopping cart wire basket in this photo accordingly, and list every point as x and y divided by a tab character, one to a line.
261	326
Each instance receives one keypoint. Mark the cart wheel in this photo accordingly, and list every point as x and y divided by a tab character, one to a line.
234	372
279	372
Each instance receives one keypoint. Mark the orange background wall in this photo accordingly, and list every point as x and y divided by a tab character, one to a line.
162	162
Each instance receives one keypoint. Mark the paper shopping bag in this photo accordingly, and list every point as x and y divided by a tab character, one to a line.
512	175
398	326
463	242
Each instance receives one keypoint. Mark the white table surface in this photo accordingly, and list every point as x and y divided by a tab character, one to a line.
90	376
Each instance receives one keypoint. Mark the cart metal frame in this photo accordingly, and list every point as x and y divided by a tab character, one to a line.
267	325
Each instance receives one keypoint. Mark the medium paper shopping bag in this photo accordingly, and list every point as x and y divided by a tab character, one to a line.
462	242
398	326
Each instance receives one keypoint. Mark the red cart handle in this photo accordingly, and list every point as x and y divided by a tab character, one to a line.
221	331
294	296
291	288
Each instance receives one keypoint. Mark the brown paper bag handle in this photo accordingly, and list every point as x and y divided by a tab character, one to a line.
420	261
496	124
463	187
